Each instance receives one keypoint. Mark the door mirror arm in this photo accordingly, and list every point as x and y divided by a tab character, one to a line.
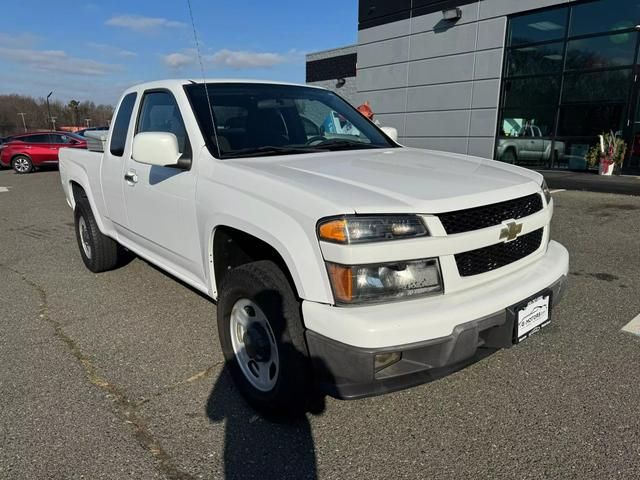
183	163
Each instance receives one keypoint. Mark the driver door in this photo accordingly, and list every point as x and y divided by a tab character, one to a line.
160	201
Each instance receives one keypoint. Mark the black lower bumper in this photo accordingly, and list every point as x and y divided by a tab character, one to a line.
348	372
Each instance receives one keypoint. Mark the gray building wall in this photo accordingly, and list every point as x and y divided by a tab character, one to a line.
439	86
349	90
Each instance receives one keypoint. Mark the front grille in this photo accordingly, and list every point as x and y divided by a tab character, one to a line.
496	256
490	215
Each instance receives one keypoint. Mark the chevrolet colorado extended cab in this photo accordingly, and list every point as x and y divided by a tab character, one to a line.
343	260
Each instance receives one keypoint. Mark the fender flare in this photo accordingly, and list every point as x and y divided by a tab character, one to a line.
305	287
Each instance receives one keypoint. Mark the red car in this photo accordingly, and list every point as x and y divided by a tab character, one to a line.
25	152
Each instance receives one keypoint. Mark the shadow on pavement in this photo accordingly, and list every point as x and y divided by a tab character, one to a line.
261	447
258	448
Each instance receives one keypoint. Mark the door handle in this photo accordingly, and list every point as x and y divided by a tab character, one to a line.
131	177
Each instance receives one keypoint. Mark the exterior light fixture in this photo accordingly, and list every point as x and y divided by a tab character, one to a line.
340	82
452	14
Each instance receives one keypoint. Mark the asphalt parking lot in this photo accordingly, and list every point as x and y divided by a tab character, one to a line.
119	375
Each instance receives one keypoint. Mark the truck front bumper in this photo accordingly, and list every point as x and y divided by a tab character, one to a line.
348	371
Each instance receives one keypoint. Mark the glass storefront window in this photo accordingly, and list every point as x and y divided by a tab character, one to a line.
515	121
602	52
531	92
563	87
538	27
604	16
534	60
606	86
575	152
590	120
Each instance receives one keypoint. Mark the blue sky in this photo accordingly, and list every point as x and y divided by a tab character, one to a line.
90	50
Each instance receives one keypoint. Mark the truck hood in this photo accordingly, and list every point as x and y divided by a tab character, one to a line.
392	180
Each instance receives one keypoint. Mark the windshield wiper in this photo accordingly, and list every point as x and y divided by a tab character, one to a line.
267	150
344	144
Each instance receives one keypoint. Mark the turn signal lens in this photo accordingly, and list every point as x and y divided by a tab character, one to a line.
342	282
363	229
334	231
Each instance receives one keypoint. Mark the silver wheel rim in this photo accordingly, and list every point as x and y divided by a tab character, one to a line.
254	345
84	237
21	165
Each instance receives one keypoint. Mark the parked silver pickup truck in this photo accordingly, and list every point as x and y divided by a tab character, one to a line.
529	146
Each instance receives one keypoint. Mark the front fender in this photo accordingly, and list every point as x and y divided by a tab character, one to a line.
292	235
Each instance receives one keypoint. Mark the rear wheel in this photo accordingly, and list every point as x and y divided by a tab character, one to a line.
260	330
22	164
509	156
99	252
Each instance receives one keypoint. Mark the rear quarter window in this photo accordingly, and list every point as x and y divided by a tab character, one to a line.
121	125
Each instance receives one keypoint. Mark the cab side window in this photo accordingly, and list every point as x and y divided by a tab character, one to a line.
160	113
121	125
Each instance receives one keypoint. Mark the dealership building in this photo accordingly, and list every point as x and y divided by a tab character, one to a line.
531	82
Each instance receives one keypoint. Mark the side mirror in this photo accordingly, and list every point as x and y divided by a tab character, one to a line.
156	148
390	132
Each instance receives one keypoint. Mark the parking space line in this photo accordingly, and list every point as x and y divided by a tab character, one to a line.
558	190
4	189
633	326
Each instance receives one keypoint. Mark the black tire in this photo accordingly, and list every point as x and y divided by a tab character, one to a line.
21	164
264	283
509	156
103	252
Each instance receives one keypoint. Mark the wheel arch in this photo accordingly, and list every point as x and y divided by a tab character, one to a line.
77	192
81	190
20	154
231	247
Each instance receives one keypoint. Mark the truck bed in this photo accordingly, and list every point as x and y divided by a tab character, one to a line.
84	164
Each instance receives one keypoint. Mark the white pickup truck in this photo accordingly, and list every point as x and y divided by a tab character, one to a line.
341	260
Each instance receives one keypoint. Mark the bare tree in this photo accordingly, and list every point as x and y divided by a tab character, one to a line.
37	118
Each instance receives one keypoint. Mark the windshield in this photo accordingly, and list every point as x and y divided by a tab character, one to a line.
263	119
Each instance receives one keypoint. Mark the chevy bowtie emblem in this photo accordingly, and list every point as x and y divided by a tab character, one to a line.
510	231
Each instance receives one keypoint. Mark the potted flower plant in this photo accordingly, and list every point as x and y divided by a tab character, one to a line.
609	152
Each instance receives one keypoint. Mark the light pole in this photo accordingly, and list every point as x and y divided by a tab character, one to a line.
49	110
24	124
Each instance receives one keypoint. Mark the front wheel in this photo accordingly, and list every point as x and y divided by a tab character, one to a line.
22	164
261	334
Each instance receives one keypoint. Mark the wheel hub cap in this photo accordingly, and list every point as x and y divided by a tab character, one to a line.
254	345
84	237
22	165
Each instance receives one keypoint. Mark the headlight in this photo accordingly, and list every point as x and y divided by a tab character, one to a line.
355	284
546	191
362	229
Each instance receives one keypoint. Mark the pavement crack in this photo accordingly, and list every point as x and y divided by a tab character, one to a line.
206	373
125	409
